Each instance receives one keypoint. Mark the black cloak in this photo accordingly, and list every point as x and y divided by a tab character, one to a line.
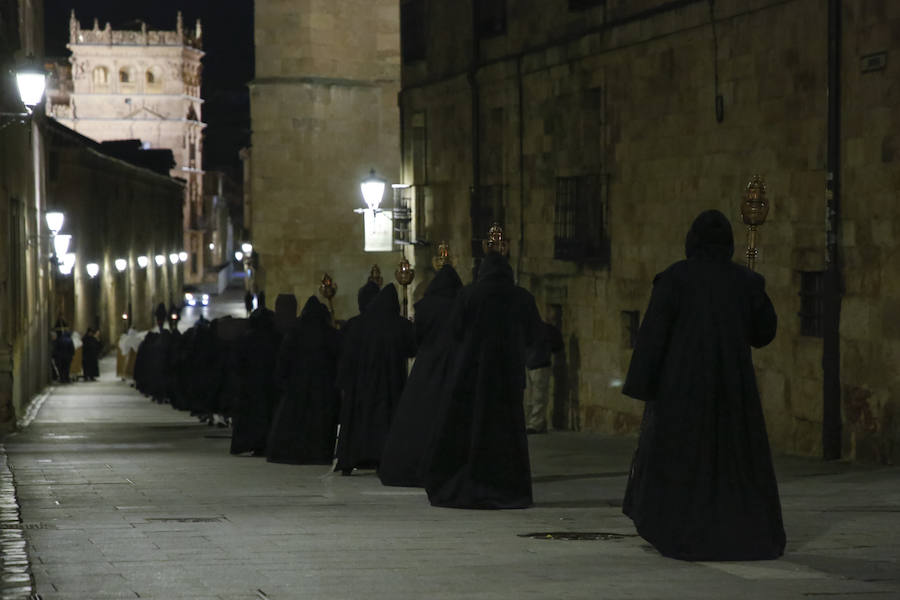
253	356
382	341
408	444
304	427
480	457
346	366
701	485
90	356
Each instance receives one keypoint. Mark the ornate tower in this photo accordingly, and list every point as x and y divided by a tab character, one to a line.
143	84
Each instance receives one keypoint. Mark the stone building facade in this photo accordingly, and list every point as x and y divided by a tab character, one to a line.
26	286
114	209
323	112
141	84
597	130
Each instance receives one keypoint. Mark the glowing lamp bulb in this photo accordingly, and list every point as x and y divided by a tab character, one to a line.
173	258
121	263
182	256
143	261
238	255
55	221
93	269
247	247
372	190
160	260
61	244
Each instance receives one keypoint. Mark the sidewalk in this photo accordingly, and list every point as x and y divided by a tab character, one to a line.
124	498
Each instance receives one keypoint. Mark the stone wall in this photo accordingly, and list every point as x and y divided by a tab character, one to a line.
324	112
114	210
632	103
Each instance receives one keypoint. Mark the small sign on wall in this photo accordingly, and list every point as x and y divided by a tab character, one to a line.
379	231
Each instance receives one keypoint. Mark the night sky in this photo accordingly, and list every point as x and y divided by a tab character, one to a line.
227	66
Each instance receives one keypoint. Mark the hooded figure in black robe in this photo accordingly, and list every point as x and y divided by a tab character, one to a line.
90	355
409	442
304	427
381	342
252	356
480	457
701	485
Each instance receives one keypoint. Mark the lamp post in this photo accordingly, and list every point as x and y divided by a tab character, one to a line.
754	210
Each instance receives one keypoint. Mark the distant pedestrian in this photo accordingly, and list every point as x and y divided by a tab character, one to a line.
248	302
90	354
538	365
702	486
63	351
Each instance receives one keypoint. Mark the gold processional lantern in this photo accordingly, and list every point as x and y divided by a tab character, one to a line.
754	210
328	289
496	242
405	275
443	257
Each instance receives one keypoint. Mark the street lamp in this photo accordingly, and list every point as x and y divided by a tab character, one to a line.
61	245
247	247
182	256
121	263
238	256
160	260
93	269
372	190
143	261
55	221
67	263
173	258
31	81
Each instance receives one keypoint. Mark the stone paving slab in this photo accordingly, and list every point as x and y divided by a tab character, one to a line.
124	498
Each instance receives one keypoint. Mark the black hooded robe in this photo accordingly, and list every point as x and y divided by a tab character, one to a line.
304	427
254	355
702	486
382	341
480	457
408	444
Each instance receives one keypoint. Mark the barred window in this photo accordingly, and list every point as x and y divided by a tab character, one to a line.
580	220
491	18
486	208
413	31
811	286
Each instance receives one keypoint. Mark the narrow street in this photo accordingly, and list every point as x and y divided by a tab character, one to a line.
124	498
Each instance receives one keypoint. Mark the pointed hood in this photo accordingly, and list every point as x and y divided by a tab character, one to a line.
494	268
710	236
366	294
445	283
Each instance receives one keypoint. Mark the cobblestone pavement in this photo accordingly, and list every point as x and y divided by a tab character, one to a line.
123	498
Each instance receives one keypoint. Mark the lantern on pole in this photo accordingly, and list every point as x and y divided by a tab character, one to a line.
754	210
405	275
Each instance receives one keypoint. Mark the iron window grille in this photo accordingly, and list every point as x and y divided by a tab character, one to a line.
580	232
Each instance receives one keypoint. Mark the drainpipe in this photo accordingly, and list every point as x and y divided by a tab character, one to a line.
472	77
832	291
